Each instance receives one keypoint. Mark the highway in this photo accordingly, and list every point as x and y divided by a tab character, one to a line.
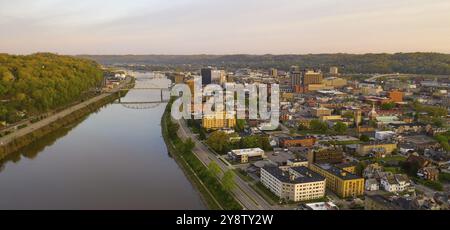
245	194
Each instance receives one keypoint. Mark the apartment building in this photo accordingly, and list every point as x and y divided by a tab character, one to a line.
218	121
341	182
294	184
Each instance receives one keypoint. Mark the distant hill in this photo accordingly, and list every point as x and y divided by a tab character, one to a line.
413	63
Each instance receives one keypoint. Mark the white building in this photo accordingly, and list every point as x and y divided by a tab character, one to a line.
245	155
372	185
297	162
395	183
320	206
294	184
384	135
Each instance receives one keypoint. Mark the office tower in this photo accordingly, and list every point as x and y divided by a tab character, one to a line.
296	79
273	72
334	70
206	75
295	68
312	77
218	77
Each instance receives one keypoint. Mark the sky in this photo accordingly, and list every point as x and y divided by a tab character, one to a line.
224	26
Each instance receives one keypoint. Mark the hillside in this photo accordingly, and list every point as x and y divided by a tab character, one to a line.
41	82
413	63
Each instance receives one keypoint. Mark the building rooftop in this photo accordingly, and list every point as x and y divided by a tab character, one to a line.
346	165
250	152
298	159
321	206
338	172
298	176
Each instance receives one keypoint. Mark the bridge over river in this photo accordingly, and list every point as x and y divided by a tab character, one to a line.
145	85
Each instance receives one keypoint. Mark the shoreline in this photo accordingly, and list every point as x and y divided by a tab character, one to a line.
185	168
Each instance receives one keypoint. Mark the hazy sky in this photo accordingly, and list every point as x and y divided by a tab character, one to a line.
223	26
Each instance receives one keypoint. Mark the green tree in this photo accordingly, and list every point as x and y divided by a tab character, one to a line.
202	134
218	141
214	169
188	146
240	125
443	140
228	181
340	128
250	142
349	115
388	106
364	138
318	126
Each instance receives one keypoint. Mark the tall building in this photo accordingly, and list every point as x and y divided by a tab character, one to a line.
294	184
218	121
334	70
191	84
335	82
312	77
296	79
358	117
273	72
179	78
218	76
295	68
206	76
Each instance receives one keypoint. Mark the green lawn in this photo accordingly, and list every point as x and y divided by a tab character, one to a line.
444	177
208	185
435	185
266	193
243	175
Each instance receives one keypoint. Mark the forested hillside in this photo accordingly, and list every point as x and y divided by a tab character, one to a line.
412	63
41	82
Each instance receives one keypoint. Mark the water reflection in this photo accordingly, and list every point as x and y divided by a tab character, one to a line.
112	159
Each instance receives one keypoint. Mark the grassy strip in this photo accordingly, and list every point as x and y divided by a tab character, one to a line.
207	197
243	175
435	185
212	190
266	193
444	177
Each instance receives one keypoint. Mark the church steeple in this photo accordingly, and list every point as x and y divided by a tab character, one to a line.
373	114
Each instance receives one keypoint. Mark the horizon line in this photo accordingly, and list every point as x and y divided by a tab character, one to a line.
230	54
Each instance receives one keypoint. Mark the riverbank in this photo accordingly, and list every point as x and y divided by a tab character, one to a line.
27	135
209	187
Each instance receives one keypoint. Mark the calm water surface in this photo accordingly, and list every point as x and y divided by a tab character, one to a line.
113	159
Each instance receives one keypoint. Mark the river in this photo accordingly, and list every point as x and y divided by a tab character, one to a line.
114	159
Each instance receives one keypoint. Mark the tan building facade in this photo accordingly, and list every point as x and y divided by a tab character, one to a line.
368	148
343	183
218	121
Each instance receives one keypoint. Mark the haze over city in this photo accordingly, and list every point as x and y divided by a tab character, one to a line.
224	26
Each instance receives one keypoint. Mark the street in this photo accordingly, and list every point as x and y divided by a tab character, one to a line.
249	198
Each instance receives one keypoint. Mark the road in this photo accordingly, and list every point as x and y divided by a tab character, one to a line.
427	191
245	194
52	118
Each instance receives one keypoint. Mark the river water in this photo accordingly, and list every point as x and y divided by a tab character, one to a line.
114	159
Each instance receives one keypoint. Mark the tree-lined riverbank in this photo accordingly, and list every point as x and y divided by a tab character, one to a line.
213	193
